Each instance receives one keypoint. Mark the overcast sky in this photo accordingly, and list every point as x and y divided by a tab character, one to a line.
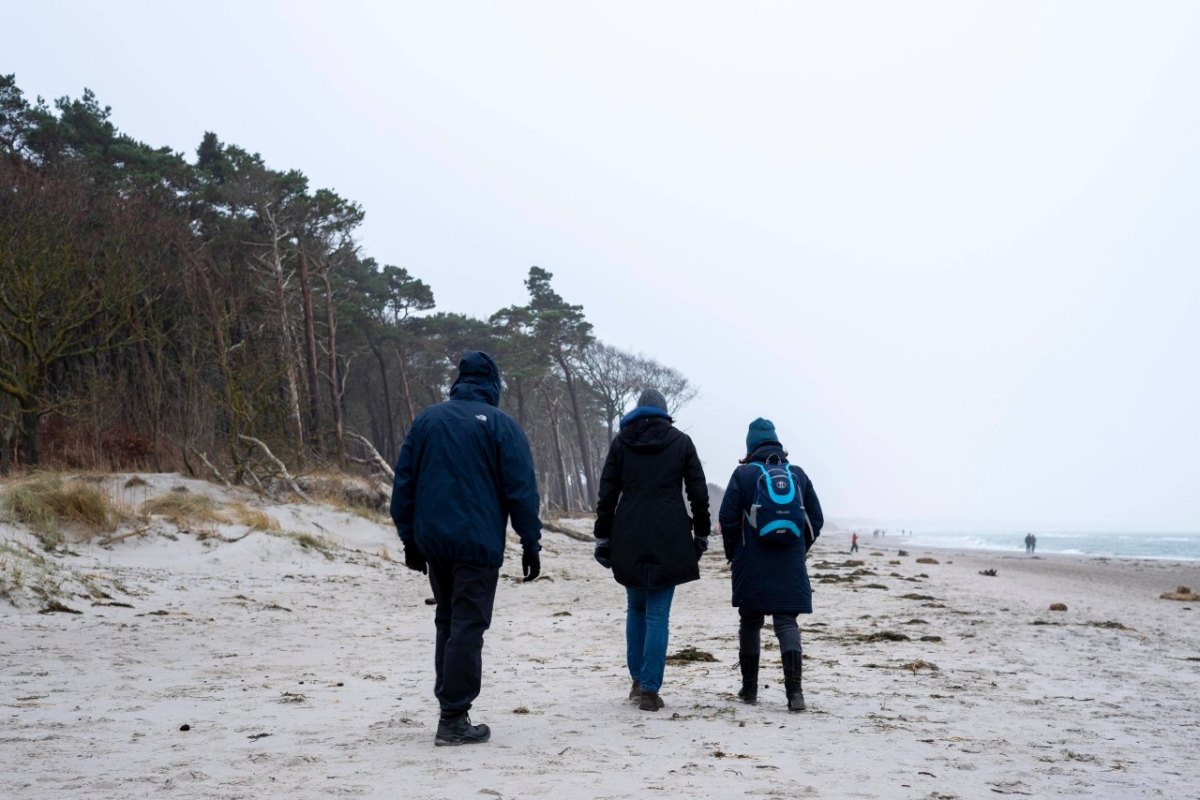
951	249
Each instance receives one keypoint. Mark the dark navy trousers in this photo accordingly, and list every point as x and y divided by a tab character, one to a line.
465	594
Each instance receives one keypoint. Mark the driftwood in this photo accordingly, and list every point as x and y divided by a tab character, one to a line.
121	537
556	528
262	490
210	466
1181	593
283	470
374	458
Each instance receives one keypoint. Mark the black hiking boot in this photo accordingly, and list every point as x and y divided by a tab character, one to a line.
749	691
457	729
649	701
792	669
635	692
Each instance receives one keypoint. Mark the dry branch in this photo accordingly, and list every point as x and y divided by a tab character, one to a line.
375	457
550	525
213	469
262	490
283	470
129	535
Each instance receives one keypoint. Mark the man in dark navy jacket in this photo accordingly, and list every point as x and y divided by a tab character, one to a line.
464	470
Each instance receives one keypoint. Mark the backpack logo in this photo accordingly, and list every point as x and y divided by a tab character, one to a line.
481	417
777	513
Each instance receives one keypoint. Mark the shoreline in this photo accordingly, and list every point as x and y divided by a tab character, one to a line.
922	541
1150	575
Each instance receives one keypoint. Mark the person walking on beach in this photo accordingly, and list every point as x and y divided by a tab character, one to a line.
769	518
645	536
1032	543
1029	543
854	543
464	470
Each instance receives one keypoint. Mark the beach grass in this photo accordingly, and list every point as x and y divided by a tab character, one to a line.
49	503
183	508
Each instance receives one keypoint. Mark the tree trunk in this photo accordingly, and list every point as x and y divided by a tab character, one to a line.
335	396
233	429
581	434
408	401
6	437
310	349
389	441
520	387
291	385
576	483
31	422
152	391
552	412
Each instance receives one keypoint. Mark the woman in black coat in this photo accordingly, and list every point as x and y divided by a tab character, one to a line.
769	571
644	534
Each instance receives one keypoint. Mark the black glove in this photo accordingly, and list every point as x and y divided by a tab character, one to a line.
604	553
701	544
414	559
531	565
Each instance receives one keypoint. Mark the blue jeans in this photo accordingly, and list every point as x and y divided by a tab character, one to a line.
647	619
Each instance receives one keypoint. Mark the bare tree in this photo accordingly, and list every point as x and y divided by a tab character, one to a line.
614	376
272	263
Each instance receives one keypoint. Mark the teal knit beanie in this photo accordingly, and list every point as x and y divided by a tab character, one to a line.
761	431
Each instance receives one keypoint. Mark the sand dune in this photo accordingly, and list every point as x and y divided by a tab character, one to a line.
305	675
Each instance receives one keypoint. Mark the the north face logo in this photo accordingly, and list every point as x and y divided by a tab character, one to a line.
481	417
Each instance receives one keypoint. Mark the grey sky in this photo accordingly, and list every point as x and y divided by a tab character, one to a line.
951	249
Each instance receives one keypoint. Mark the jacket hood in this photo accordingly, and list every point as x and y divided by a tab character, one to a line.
647	433
765	451
642	412
478	379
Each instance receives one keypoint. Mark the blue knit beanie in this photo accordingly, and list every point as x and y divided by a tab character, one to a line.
761	431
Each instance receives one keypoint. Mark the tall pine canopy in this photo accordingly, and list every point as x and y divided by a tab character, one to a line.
160	312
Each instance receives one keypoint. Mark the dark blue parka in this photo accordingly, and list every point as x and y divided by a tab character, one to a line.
464	470
767	578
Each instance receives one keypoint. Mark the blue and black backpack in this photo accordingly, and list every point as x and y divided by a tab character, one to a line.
777	513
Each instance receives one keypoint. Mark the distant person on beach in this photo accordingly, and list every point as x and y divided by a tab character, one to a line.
1032	543
645	536
770	517
854	543
1029	543
464	470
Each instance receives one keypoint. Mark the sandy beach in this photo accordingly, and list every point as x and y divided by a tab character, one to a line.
300	673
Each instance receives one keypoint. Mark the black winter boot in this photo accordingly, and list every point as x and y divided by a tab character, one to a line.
792	668
457	729
749	665
649	701
635	692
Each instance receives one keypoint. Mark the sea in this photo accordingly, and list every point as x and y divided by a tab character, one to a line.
1175	546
